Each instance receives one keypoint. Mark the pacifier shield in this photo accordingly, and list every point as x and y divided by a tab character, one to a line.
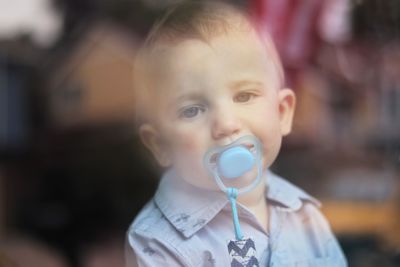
235	161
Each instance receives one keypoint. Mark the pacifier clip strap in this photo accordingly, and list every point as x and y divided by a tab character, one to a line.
232	194
242	251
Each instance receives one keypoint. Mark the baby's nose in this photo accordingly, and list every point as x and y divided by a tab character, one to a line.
225	124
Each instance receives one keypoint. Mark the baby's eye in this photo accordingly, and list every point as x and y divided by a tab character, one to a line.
191	112
243	97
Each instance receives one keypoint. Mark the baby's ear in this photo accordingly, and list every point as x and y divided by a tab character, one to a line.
287	104
152	140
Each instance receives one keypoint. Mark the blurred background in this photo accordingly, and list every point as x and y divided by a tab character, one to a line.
73	174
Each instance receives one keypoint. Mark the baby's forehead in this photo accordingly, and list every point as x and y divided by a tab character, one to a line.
231	46
197	68
202	21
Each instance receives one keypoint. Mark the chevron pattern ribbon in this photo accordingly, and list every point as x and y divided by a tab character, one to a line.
243	253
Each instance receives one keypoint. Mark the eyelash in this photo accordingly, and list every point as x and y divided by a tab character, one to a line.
188	108
250	96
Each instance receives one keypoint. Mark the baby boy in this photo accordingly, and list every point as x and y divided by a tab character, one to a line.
206	78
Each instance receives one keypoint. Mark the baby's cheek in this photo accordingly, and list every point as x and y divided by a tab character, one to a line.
187	145
192	148
189	160
191	144
190	139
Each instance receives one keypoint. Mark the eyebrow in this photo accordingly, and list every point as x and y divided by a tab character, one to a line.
184	97
241	83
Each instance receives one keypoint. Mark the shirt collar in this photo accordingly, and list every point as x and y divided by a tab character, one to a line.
189	208
285	193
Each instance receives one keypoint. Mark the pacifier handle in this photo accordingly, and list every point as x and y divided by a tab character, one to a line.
232	194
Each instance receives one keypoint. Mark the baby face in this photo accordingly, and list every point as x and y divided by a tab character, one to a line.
212	93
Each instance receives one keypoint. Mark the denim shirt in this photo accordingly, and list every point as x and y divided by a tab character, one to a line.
187	226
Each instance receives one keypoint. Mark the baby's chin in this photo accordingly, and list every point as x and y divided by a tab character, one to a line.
202	181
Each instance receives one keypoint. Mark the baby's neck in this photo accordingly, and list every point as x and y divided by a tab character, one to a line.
256	202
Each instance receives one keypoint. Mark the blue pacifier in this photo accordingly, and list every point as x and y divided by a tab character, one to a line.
235	161
232	162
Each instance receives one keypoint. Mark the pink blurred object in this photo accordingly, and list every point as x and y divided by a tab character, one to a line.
298	26
335	21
